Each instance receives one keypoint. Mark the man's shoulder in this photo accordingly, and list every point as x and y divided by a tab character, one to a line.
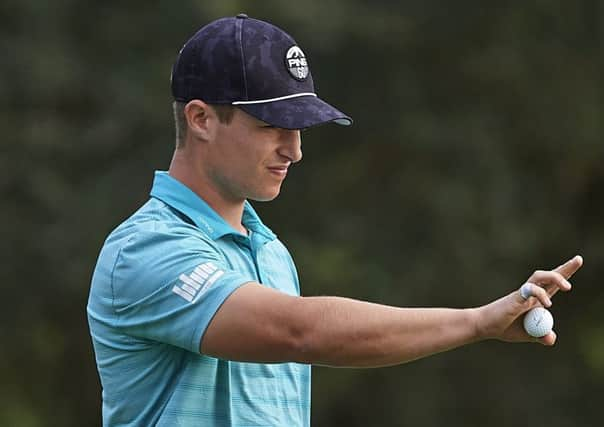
147	251
153	223
151	234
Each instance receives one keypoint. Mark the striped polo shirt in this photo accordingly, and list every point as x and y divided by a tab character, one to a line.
159	279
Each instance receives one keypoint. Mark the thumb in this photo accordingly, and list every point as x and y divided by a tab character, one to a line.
549	339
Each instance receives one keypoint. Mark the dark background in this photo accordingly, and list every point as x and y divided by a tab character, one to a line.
475	158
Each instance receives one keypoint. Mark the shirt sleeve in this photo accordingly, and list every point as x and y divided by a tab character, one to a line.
167	287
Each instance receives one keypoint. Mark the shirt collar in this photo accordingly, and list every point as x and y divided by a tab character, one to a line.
176	194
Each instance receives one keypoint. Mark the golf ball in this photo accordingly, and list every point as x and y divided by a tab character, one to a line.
538	322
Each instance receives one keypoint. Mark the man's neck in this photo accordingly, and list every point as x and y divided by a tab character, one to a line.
229	209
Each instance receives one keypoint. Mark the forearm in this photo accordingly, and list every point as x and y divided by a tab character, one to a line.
345	332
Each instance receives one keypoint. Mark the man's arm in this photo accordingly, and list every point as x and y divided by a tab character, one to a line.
263	325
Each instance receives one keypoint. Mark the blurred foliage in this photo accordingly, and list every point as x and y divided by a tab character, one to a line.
475	158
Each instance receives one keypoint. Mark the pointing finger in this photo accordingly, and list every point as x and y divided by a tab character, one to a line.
544	278
570	267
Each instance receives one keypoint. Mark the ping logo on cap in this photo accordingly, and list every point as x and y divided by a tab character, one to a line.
296	63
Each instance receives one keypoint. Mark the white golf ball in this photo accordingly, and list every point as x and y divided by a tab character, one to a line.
538	322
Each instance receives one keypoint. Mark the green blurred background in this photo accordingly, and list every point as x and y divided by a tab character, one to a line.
475	158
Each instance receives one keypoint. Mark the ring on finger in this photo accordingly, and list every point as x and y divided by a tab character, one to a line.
526	290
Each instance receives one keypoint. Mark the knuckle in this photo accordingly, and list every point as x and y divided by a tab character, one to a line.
559	277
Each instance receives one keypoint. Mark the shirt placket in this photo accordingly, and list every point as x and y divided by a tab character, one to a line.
251	247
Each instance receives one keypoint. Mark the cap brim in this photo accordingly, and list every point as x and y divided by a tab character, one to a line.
296	113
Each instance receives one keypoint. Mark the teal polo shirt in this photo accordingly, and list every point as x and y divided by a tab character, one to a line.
159	279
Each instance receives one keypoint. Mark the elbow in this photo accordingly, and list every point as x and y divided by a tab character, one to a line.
303	349
302	335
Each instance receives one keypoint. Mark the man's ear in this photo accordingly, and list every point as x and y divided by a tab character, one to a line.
201	120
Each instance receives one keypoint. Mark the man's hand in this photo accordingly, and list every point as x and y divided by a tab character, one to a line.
502	319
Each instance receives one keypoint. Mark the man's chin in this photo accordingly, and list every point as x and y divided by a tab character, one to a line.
267	197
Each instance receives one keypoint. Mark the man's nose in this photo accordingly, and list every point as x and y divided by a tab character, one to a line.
291	145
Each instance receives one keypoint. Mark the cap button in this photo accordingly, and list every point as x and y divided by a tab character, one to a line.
242	16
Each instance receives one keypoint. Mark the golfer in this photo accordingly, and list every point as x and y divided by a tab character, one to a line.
195	310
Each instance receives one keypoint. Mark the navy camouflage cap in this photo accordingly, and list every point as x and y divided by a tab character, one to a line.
255	66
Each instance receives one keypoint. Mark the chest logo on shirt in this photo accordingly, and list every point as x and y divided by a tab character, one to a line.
192	286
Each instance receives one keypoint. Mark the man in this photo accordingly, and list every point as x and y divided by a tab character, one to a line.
195	309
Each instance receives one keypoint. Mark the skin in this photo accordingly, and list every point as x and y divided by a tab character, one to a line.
246	159
226	164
